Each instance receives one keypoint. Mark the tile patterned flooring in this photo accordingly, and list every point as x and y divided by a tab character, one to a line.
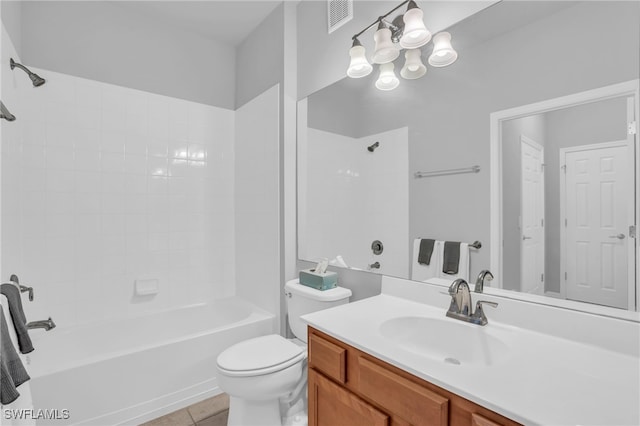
210	412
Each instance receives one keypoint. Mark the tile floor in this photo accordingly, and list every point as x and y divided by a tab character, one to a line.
210	412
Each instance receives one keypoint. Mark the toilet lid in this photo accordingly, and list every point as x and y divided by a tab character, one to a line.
260	355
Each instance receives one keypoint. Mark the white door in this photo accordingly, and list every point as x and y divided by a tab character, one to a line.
532	226
598	208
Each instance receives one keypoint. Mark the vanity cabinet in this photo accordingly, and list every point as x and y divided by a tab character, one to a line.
350	387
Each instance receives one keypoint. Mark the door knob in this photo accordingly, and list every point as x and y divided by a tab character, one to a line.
619	236
524	237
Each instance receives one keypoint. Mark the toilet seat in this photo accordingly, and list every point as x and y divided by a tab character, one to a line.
259	356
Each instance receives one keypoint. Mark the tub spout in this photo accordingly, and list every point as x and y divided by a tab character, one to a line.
46	324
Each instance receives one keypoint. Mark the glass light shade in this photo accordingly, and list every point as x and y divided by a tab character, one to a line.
415	33
413	66
387	79
443	54
385	50
359	66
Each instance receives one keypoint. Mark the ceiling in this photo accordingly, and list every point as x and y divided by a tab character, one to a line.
228	21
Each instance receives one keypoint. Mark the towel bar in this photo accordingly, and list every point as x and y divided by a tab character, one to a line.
472	169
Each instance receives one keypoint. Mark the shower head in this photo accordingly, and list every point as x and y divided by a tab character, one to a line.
4	113
373	147
35	78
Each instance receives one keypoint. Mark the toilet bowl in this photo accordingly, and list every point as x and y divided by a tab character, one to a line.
265	377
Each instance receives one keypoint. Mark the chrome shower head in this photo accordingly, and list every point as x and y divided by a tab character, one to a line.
373	147
35	78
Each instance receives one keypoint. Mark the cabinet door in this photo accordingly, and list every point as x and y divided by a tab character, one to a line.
331	405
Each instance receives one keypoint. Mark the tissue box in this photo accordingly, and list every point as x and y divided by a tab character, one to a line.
325	281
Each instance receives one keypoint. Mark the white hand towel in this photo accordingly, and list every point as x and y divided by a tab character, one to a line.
421	272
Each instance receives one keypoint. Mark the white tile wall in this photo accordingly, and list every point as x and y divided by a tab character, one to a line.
110	184
340	174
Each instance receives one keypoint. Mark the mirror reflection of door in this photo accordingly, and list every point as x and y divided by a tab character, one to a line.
532	217
598	207
568	202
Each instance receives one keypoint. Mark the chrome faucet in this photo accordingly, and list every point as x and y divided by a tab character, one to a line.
460	307
485	274
46	324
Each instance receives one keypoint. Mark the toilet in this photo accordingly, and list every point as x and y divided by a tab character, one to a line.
266	377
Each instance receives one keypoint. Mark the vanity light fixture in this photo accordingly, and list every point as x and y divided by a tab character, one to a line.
359	66
405	31
387	79
386	51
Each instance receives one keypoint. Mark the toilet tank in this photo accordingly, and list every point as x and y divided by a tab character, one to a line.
303	300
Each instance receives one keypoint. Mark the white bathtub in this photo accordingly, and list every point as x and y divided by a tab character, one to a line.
130	371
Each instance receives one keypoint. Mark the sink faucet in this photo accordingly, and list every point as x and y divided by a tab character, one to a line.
460	307
46	324
485	274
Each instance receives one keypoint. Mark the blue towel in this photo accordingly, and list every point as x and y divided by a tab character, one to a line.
12	372
17	316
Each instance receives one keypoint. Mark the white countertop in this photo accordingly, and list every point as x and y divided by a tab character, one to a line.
542	379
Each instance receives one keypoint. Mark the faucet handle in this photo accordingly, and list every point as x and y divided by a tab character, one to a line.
478	315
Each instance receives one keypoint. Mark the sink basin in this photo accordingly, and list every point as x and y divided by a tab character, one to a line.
447	340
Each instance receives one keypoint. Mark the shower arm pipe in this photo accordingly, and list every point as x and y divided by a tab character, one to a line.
14	64
380	19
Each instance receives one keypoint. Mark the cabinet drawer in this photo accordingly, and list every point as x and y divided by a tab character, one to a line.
402	397
328	358
478	420
331	405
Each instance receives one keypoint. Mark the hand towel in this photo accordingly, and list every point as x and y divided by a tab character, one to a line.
451	257
426	250
12	372
421	271
463	264
17	316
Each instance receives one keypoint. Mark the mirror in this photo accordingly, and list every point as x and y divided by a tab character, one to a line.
531	87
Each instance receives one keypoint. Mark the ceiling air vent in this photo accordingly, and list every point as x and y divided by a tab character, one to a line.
339	12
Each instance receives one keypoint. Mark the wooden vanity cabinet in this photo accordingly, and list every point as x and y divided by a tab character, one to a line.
348	387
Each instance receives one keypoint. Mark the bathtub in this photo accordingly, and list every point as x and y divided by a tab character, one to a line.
131	371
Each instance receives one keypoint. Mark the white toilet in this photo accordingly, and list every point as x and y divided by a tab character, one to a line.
263	373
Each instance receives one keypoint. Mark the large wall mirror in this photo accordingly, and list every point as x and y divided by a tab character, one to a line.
531	126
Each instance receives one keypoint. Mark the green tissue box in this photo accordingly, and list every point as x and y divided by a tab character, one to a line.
325	281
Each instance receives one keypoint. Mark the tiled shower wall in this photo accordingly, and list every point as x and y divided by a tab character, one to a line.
106	185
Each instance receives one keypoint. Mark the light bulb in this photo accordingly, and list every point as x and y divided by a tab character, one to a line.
413	66
359	66
443	54
387	79
415	33
385	50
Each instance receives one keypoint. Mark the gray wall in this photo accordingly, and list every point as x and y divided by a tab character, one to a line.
596	122
12	20
448	110
260	58
108	42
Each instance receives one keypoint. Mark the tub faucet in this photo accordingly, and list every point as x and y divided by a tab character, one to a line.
460	307
485	274
46	324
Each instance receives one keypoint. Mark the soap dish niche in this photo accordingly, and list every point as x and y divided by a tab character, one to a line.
146	287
